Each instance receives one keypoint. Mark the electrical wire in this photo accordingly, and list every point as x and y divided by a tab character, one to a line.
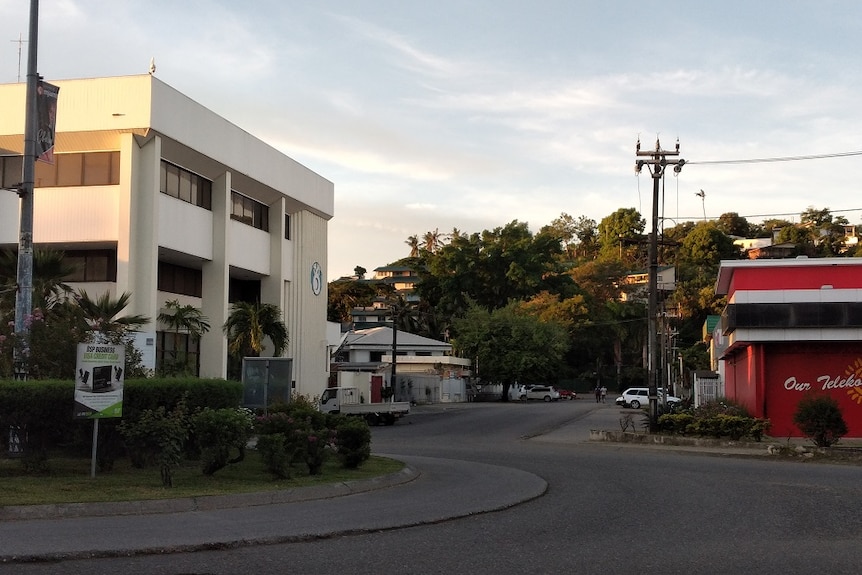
777	159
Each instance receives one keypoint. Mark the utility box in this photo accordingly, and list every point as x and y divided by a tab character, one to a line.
266	380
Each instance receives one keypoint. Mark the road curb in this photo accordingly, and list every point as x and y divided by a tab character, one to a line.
674	440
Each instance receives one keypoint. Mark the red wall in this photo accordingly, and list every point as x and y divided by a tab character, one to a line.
798	277
794	369
741	382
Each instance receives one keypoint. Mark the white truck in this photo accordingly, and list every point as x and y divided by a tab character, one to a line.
347	400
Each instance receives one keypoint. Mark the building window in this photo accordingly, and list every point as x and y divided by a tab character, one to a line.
79	169
249	211
177	354
91	265
287	226
185	185
180	280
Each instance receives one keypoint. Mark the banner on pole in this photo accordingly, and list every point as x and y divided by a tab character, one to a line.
46	116
99	380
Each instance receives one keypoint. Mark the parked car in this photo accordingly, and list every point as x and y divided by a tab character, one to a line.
635	397
543	392
567	394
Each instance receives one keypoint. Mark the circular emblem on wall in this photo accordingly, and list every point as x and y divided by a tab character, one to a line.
316	278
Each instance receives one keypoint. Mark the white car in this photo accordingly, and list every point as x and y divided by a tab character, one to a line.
543	392
635	397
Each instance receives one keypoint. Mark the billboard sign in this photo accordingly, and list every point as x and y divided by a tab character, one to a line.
99	380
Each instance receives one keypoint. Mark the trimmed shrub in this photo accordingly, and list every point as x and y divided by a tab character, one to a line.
316	445
279	441
157	436
219	432
675	423
759	427
720	406
273	450
352	441
820	419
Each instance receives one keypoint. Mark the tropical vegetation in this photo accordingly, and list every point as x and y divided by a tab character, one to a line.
572	279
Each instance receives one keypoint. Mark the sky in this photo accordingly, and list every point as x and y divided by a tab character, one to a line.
472	114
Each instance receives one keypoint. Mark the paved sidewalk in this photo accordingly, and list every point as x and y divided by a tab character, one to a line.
469	488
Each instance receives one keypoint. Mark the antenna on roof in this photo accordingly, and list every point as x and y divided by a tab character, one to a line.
20	41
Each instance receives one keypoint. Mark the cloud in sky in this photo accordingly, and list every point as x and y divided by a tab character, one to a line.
471	115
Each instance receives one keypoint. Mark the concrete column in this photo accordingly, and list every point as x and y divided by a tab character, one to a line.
137	236
216	278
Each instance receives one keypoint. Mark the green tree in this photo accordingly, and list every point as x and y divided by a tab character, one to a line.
249	324
801	237
511	346
345	294
507	263
827	230
733	224
617	231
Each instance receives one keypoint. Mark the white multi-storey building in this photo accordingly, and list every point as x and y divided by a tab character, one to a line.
153	194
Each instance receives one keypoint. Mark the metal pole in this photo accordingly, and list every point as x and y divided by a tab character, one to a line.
24	295
652	366
394	349
95	448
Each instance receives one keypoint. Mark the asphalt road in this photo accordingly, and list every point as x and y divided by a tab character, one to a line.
607	509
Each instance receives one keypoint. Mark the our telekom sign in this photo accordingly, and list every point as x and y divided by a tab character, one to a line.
793	373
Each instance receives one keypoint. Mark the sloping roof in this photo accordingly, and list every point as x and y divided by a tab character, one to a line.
709	326
380	337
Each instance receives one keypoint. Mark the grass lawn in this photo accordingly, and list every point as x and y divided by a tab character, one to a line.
68	480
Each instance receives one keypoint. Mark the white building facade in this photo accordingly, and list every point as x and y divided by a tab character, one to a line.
153	194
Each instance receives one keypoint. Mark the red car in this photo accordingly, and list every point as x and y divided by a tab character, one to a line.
567	394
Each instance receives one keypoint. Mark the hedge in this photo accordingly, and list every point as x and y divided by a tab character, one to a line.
44	407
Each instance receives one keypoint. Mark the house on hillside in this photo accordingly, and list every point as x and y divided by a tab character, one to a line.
402	279
635	287
426	370
792	327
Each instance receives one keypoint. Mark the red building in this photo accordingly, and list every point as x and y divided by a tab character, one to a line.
792	327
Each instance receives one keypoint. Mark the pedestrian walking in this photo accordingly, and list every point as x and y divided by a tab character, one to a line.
598	393
604	393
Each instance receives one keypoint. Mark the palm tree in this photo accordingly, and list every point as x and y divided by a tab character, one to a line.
49	271
432	240
413	242
103	314
249	323
185	318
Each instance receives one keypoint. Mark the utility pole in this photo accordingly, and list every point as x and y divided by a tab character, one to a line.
24	295
656	161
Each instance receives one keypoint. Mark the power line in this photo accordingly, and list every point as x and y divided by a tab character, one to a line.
778	159
692	218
